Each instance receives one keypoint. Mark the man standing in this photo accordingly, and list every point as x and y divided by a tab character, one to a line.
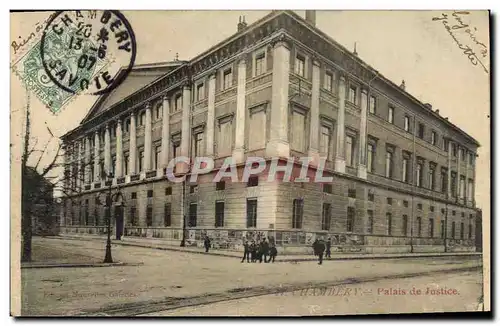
321	250
328	248
265	250
253	251
273	252
207	243
246	253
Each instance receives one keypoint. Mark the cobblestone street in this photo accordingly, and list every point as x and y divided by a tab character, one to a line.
168	274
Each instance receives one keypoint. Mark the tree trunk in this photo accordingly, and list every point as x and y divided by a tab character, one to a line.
27	235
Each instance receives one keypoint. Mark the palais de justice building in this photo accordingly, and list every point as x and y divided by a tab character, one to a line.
403	175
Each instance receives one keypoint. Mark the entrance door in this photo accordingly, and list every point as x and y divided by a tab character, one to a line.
119	222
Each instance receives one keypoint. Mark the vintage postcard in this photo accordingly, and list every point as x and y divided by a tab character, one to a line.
249	163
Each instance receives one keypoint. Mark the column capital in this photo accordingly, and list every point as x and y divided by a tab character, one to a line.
212	73
364	91
147	105
242	58
281	40
315	60
165	98
186	86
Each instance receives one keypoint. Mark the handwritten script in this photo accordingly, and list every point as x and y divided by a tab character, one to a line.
454	25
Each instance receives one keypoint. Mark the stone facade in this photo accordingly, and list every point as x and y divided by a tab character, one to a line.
277	88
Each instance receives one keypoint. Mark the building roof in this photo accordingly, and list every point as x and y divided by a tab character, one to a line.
142	76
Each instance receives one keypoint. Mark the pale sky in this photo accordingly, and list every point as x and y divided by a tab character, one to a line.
399	44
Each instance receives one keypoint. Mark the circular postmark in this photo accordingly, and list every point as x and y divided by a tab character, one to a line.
88	51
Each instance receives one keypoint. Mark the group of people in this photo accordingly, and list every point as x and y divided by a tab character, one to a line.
259	251
320	247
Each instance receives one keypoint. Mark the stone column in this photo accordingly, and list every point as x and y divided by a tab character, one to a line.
448	191
87	159
459	159
97	157
147	139
314	127
239	142
278	145
340	155
107	150
165	132
132	145
119	149
211	116
467	178
362	171
186	125
79	180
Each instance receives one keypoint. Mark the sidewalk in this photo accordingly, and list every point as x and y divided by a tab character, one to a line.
162	245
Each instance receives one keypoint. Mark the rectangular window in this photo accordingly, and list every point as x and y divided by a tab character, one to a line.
454	149
300	65
260	61
133	195
167	215
193	189
113	165
431	177
471	158
193	215
178	103
326	216
200	91
419	175
157	160
453	184
404	227
225	138
453	230
390	114
328	81
149	216
431	227
141	161
324	142
349	150
431	208
442	229
158	111
461	230
433	138
419	226
444	181
388	164
370	156
351	193
227	79
373	105
219	214
133	216
389	201
298	131
298	213
257	122
251	213
445	144
168	191
369	228
419	206
462	154
470	231
389	223
221	185
127	125
125	164
405	170
351	215
253	181
353	96
150	193
327	188
371	196
198	144
421	130
407	123
405	203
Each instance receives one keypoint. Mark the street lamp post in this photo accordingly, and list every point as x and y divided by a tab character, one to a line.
108	258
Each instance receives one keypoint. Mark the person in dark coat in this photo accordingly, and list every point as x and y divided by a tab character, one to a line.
253	252
246	253
315	247
320	249
328	253
207	243
273	252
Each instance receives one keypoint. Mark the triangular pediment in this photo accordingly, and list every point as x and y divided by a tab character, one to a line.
138	78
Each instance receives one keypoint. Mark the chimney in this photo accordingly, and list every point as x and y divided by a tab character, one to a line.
242	23
311	17
437	111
